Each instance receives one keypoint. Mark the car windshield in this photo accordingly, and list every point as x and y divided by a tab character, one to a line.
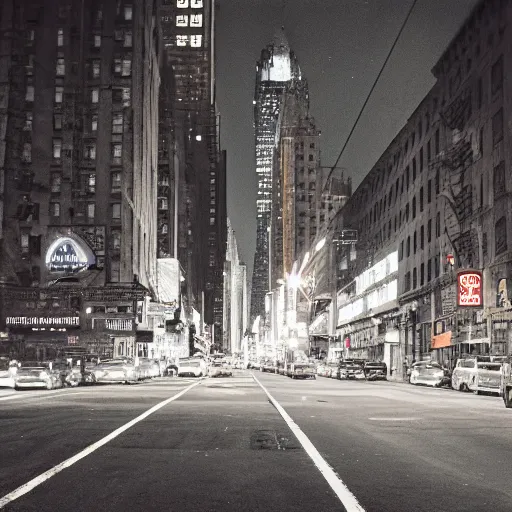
495	367
190	363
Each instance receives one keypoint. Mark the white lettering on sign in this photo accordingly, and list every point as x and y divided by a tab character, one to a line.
71	321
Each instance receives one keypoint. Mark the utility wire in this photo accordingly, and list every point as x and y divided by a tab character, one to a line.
372	89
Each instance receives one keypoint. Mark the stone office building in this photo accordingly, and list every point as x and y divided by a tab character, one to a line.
78	162
438	197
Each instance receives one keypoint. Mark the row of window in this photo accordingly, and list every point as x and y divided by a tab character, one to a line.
55	210
405	245
88	182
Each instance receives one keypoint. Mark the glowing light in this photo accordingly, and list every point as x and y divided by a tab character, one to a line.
320	244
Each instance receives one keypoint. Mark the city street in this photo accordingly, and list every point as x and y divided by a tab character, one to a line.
222	446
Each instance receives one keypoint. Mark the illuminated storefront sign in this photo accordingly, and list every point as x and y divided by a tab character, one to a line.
38	321
68	255
469	288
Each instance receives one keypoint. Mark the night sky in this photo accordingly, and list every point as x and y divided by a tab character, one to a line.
341	45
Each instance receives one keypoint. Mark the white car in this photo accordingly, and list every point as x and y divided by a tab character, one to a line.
8	370
193	367
427	373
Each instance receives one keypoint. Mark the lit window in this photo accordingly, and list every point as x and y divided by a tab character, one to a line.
60	37
115	182
165	229
196	20
117	150
90	210
181	40
27	153
96	68
116	211
57	148
127	67
128	12
59	93
115	237
95	95
117	123
29	94
55	183
182	20
60	69
196	4
90	151
30	37
91	183
28	121
57	121
94	123
127	39
163	204
117	66
126	97
97	41
212	221
182	4
55	209
196	41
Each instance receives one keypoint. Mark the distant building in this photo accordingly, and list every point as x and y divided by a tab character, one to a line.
275	69
78	170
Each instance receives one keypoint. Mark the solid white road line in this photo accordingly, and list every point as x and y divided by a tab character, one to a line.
348	500
40	394
38	480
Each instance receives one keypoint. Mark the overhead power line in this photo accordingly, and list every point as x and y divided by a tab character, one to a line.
404	23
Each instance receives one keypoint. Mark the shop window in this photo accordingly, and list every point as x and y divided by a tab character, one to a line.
500	234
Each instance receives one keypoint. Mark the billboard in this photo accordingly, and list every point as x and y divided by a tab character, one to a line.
470	289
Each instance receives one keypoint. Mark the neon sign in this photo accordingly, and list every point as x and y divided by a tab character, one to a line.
469	288
67	255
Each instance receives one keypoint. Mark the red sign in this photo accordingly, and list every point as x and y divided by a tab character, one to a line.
347	342
469	289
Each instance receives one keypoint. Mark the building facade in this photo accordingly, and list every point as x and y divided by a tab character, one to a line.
79	91
437	203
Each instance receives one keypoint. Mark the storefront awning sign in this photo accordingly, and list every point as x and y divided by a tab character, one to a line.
442	340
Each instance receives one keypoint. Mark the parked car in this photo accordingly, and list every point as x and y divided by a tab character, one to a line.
301	371
217	369
331	370
427	373
148	368
375	370
477	374
350	370
37	375
118	369
193	367
8	369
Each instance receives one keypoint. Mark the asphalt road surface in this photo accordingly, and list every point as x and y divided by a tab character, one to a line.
224	445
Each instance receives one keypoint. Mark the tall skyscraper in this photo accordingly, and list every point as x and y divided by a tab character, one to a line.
274	71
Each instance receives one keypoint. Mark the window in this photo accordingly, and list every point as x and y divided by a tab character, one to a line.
429	152
497	76
96	68
97	41
401	251
182	4
95	95
437	143
196	20
407	178
90	151
415	241
57	148
500	235
429	191
181	40
128	12
414	278
116	210
408	247
500	186
196	4
407	282
438	224
421	199
28	122
115	238
429	230
436	181
60	37
311	158
117	123
481	141
94	122
60	69
90	210
196	41
497	127
57	122
481	191
212	221
414	207
420	127
182	20
91	183
414	169
115	182
29	94
29	38
59	93
27	153
165	229
117	150
115	277
422	237
421	159
436	265
118	66
55	182
127	42
429	270
127	67
55	209
480	92
422	274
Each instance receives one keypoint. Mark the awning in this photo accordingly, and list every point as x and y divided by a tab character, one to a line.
477	341
442	340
